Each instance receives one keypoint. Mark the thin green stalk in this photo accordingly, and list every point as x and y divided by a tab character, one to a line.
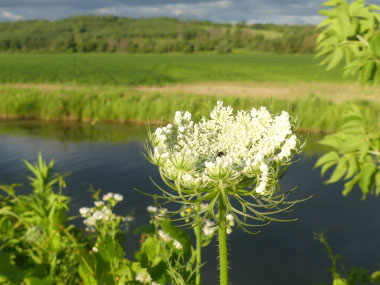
198	235
223	258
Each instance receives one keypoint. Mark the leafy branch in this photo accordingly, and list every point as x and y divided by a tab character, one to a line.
351	33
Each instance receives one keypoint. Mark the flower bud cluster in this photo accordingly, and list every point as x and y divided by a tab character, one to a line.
102	212
187	213
226	148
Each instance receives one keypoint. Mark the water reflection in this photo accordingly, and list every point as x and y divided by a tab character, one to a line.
109	157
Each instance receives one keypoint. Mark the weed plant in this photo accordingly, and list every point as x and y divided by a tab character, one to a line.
38	245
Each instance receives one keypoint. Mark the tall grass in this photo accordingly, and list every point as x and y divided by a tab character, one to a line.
159	69
116	104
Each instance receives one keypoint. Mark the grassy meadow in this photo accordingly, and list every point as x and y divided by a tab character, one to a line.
162	69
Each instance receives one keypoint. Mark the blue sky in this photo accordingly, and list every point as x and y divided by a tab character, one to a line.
263	11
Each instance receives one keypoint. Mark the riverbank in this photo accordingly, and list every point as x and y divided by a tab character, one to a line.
117	104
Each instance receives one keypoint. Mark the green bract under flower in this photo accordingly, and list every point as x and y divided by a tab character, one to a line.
226	150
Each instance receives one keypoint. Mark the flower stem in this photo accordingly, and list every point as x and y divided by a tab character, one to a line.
223	258
198	235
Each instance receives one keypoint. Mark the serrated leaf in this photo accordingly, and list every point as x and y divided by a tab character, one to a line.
328	157
336	57
348	186
366	178
327	166
355	8
339	171
344	23
353	167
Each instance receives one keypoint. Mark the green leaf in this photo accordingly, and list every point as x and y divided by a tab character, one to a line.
344	23
326	167
375	276
330	141
340	281
331	3
353	167
180	235
366	178
348	186
86	275
144	229
339	171
8	270
149	255
328	157
367	73
335	58
377	182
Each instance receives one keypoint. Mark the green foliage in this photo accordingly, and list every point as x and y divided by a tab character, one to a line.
32	241
355	155
114	34
355	276
351	32
38	246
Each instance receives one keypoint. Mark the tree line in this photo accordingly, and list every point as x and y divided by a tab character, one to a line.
159	35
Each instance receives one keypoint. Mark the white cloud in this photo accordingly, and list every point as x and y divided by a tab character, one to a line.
198	10
10	16
233	11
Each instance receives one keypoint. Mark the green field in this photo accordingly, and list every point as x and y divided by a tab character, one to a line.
161	69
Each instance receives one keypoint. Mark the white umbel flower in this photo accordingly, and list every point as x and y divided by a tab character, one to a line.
226	148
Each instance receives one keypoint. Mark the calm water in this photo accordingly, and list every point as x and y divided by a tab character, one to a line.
109	157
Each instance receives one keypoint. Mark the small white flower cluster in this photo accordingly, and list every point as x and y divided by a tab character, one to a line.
157	213
112	196
209	227
225	147
230	223
145	279
102	212
167	238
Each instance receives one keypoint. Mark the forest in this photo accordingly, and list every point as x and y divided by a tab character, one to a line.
152	35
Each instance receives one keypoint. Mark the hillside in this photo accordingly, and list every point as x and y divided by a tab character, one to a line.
161	35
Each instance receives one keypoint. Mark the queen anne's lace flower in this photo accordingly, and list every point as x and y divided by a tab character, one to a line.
232	161
226	148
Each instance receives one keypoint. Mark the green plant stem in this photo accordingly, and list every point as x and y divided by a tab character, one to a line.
198	235
223	258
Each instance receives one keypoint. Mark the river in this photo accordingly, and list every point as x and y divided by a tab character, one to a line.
109	157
